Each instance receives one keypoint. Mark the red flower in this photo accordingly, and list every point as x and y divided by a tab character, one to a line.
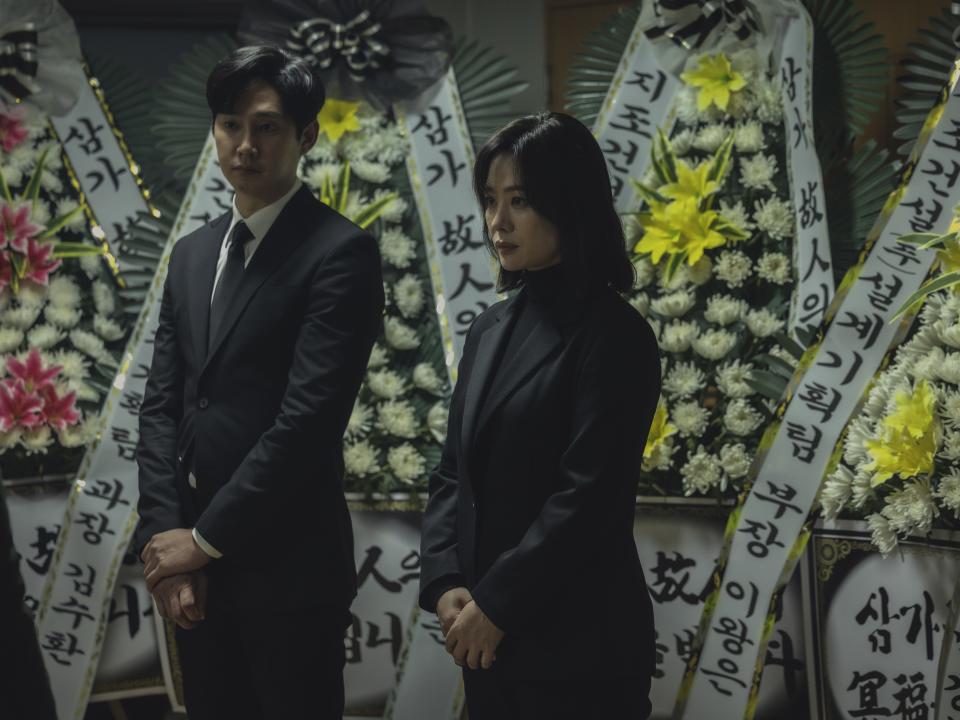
18	407
12	131
59	411
6	270
16	228
31	374
39	263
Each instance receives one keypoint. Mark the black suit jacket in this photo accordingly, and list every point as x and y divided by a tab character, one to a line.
261	417
533	502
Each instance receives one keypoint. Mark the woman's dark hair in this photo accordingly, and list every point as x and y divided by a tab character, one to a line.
564	178
300	90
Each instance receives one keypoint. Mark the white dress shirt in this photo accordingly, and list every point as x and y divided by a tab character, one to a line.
259	224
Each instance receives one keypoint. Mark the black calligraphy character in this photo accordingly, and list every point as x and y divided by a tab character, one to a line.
883	293
805	441
435	630
58	643
953	134
465	318
734	632
44	546
792	667
76	608
867	684
880	637
439	171
106	491
436	131
131	402
789	76
735	590
684	645
460	238
810	205
816	261
466	279
911	697
813	305
140	372
939	170
202	218
394	639
89	141
800	129
867	326
836	361
922	619
661	651
924	218
125	443
80	585
642	80
94	532
904	253
351	640
109	171
130	610
670	578
820	399
727	670
369	569
615	150
759	547
633	119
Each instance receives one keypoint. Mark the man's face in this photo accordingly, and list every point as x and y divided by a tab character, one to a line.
258	146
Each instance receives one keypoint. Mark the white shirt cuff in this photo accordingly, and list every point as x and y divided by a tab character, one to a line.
206	547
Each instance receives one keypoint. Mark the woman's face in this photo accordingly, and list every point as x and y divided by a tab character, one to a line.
524	239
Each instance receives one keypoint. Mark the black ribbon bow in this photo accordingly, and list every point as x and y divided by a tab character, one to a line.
18	61
689	23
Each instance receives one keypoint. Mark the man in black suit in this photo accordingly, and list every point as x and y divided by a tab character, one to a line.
268	317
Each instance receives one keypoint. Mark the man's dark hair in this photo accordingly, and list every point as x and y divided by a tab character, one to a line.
564	178
300	90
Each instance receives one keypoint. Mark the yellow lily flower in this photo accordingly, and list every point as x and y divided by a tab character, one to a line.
691	183
679	227
908	443
660	430
338	117
716	79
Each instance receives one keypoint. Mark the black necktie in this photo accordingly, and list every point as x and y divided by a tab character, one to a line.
229	279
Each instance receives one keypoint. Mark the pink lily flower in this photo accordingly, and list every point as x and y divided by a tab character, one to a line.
18	408
31	374
16	228
12	131
59	411
39	261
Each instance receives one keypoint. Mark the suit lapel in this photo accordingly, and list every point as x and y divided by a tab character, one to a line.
284	235
537	347
489	346
204	271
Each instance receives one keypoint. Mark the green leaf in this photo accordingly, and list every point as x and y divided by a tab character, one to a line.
776	365
58	223
649	195
374	210
768	384
932	286
7	195
790	345
32	191
721	160
76	250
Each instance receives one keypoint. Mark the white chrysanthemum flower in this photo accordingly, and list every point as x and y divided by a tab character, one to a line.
725	309
740	418
80	434
12	174
641	301
360	459
949	369
775	217
682	142
11	438
748	137
32	295
950	409
714	344
911	509
733	267
10	339
950	335
661	456
386	384
360	420
747	62
323	151
646	272
73	365
763	323
85	393
950	446
674	305
861	488
948	491
40	214
736	215
409	296
63	292
836	492
925	367
87	342
701	473
711	137
400	335
735	461
437	419
757	172
64	317
106	328
103	298
774	268
684	379
373	172
44	337
701	271
91	265
732	379
427	379
769	102
882	535
397	417
654	325
321	173
685	105
397	248
690	418
37	440
677	336
20	317
379	356
407	464
65	206
854	442
394	210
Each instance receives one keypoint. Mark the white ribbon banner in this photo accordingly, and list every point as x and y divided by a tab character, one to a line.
637	103
102	169
857	338
440	165
101	511
812	259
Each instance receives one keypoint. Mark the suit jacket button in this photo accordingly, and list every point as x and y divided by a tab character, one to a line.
203	403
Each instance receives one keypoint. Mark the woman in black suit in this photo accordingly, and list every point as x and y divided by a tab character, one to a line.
527	548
